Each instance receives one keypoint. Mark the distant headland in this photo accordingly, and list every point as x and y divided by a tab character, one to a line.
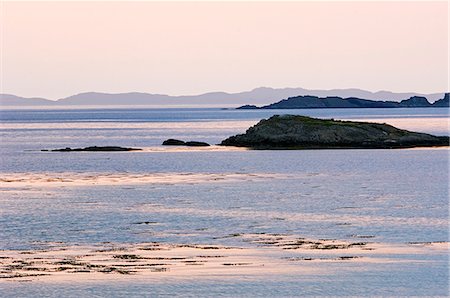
315	102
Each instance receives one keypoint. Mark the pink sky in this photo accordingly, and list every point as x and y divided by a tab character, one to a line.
56	49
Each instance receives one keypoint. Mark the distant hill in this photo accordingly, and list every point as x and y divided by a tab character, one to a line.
314	102
258	96
12	100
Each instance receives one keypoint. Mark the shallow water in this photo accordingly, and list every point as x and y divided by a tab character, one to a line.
196	196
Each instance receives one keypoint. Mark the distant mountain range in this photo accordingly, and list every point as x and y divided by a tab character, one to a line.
315	102
258	96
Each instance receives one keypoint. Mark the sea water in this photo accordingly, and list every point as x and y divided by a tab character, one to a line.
393	196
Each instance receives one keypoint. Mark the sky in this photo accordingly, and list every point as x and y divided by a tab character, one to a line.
57	49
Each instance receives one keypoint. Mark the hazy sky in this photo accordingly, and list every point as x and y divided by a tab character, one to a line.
56	49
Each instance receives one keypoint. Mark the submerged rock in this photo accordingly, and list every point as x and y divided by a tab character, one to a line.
300	132
94	148
174	142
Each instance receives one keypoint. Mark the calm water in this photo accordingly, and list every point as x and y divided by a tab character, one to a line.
396	196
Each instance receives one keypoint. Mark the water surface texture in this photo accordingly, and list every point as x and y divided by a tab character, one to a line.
385	211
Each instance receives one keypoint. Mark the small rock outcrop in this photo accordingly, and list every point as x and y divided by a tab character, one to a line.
196	144
94	148
247	107
300	132
175	142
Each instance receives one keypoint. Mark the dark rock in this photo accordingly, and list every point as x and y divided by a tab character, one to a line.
174	142
197	144
248	107
95	148
300	132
